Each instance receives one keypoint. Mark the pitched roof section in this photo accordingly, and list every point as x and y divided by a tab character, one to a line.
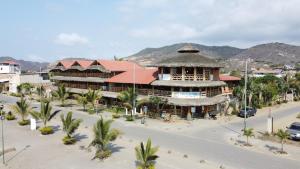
10	62
229	78
140	76
118	66
65	63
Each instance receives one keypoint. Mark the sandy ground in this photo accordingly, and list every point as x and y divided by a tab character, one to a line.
35	151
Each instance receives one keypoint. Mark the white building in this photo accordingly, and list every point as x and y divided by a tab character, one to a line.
10	66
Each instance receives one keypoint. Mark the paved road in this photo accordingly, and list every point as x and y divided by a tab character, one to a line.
207	144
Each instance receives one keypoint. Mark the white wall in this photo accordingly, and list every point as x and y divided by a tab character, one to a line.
9	69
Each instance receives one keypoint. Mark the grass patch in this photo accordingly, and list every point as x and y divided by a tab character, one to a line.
46	130
24	122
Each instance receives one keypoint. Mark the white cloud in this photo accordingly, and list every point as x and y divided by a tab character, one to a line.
70	39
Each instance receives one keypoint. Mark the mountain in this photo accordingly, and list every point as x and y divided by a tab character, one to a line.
270	53
28	66
152	55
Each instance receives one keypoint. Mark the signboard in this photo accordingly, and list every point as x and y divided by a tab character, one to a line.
187	95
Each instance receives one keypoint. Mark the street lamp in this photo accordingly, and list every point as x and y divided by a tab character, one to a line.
2	121
245	93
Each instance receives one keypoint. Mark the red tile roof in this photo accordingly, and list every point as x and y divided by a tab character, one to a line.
118	66
66	63
229	78
10	62
83	63
142	76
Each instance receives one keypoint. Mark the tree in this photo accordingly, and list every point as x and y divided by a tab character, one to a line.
103	135
45	115
157	103
22	108
128	98
41	91
248	132
283	136
69	127
61	94
146	156
92	96
82	99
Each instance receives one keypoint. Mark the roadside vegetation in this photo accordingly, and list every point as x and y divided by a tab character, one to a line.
23	109
70	125
146	155
61	94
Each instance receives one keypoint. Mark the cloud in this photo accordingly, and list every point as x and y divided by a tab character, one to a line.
71	39
213	21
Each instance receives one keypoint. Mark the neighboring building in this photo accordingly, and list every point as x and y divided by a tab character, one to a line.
9	67
231	83
189	81
262	72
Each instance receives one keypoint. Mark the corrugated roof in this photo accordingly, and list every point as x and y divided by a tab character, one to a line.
118	66
229	78
142	76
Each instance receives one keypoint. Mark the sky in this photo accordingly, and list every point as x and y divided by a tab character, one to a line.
49	30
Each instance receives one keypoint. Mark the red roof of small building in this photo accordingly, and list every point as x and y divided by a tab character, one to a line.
119	66
229	78
142	76
10	62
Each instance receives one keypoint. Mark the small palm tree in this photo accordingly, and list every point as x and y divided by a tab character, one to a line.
103	135
283	136
45	115
146	156
248	132
40	91
22	108
93	96
69	127
61	94
82	99
128	97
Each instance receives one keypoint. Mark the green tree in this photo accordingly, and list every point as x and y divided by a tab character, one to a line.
45	115
248	132
70	125
283	136
41	91
128	98
103	135
146	156
83	100
92	96
22	108
61	94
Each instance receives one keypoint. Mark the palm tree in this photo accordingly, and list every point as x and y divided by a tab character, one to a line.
45	115
62	94
103	135
69	127
40	91
248	132
92	96
283	136
128	97
146	156
22	108
82	99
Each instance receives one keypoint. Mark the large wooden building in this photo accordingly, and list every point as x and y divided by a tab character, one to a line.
189	81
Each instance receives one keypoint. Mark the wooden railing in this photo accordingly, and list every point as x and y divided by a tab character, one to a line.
83	74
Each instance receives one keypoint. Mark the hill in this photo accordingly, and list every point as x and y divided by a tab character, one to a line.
27	65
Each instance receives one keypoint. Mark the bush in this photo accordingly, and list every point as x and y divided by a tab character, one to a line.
278	102
16	94
69	140
298	116
24	122
114	134
10	117
91	111
284	101
129	118
116	116
46	130
259	106
235	112
103	154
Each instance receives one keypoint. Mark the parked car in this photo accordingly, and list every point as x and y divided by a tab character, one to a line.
294	131
249	112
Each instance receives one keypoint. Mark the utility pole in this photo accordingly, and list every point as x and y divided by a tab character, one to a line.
245	93
134	99
2	132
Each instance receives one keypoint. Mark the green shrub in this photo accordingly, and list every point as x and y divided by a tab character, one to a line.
10	117
103	154
116	116
114	134
16	94
91	111
24	122
129	118
46	130
278	102
235	112
298	116
259	106
284	101
69	140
